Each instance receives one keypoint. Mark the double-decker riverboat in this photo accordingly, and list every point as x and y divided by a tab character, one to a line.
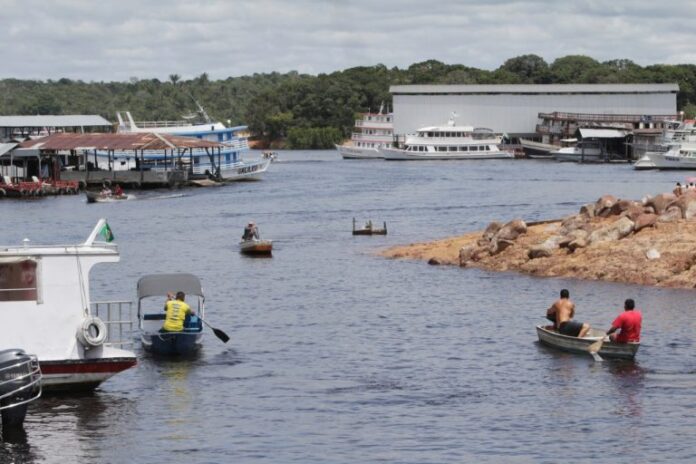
372	132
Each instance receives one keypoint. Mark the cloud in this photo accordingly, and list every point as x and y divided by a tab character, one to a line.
114	40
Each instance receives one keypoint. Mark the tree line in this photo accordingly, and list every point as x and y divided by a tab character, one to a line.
306	111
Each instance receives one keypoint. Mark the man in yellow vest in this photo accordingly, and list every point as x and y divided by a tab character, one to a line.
176	313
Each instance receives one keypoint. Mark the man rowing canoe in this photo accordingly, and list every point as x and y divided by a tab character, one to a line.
561	313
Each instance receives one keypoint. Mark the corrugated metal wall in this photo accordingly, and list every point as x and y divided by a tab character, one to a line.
515	113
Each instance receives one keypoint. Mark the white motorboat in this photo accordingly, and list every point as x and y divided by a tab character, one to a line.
677	157
450	142
46	307
372	132
582	152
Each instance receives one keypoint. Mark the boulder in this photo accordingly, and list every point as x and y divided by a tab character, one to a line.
499	245
466	254
652	254
614	231
634	211
588	210
662	201
643	221
604	202
648	209
687	204
577	243
434	261
573	235
546	248
511	230
672	214
491	230
572	223
538	251
623	205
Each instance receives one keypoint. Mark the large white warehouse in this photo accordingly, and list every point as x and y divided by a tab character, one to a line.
514	109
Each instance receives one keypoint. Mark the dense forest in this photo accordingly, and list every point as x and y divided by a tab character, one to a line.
305	111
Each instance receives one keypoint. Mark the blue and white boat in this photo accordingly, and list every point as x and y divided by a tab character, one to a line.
152	291
228	164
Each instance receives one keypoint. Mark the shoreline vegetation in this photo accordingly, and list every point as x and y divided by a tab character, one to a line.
302	111
649	242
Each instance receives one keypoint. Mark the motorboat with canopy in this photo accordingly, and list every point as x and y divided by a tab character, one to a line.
152	290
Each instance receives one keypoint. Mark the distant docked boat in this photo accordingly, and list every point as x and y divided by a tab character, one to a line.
228	165
372	132
676	157
449	142
582	152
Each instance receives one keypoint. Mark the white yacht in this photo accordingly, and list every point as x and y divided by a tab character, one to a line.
676	150
372	132
676	157
450	142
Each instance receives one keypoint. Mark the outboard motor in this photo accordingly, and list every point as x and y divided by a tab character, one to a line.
20	384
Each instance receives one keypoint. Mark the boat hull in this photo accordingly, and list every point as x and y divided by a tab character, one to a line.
95	197
81	374
172	343
246	170
581	345
350	152
395	154
665	161
256	247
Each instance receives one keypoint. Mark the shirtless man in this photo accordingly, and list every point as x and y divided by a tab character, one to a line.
561	313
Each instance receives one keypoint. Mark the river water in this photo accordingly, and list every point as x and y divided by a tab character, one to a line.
338	355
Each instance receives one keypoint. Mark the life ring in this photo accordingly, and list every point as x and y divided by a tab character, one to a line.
92	332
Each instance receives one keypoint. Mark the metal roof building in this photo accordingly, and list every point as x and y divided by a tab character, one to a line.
11	126
514	109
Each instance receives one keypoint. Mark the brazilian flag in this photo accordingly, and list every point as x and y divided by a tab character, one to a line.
106	233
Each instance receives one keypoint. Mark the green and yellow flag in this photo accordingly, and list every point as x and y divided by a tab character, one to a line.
106	233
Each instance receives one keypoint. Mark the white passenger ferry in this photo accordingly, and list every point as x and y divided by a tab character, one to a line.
372	132
450	142
228	166
46	307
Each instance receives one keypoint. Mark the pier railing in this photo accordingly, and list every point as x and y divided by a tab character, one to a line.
118	318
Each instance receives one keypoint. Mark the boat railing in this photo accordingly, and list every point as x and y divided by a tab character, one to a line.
150	124
26	373
118	318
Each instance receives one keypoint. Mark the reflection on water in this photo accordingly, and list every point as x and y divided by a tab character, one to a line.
337	355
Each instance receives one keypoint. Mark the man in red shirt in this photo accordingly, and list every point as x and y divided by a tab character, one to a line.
629	322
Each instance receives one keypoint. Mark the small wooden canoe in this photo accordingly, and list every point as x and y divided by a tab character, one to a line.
581	345
256	247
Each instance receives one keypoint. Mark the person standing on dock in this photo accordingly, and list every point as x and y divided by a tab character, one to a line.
176	311
629	322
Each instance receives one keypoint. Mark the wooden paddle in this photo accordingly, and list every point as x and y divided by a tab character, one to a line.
594	348
218	333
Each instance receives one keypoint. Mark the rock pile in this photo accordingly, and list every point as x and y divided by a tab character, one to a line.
606	220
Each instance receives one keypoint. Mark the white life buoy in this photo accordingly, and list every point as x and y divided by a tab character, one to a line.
92	332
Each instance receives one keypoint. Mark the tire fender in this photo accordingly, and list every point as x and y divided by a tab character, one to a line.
92	332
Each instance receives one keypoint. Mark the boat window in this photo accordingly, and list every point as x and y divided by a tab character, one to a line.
464	148
441	148
18	281
474	148
452	149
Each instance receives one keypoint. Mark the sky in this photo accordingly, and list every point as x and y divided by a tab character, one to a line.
106	40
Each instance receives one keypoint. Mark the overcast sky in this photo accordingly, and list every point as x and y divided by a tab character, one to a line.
116	40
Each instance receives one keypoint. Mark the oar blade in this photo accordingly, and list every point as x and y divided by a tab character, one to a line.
221	335
596	346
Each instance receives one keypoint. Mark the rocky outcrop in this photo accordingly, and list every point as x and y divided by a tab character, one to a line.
652	242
